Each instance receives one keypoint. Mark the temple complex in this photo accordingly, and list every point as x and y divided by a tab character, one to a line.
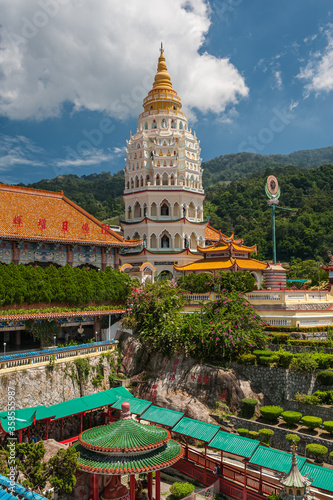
45	227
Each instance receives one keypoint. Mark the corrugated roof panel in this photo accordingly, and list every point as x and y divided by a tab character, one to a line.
196	429
274	459
322	477
232	443
68	408
16	490
138	406
104	398
162	416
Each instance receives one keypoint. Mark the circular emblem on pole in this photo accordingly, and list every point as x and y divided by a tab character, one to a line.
272	185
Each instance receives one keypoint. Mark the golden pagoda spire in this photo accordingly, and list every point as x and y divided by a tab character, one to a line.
162	77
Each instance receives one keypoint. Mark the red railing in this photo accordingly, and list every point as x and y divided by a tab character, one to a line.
70	441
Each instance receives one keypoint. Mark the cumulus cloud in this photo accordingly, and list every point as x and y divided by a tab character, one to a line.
18	150
318	72
102	56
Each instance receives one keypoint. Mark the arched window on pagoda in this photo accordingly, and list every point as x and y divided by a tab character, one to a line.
165	241
164	210
165	179
153	125
173	124
141	181
148	179
146	126
180	125
153	210
172	179
164	123
137	182
158	180
132	183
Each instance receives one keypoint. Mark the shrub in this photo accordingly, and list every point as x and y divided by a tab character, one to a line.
247	359
248	407
278	338
328	425
181	490
316	450
293	438
285	358
243	432
303	362
306	399
331	455
253	435
325	377
271	413
312	422
324	397
265	435
268	360
291	417
259	353
274	496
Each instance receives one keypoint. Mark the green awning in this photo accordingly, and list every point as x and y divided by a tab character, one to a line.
196	429
24	417
138	406
232	443
322	477
69	408
162	416
105	398
274	459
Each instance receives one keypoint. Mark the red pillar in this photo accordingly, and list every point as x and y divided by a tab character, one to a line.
61	422
245	480
186	449
94	489
205	473
158	485
221	462
91	419
260	479
20	436
150	486
47	428
81	423
29	434
132	487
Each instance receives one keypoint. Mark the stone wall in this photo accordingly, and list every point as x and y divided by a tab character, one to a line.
279	439
40	385
299	348
324	412
278	384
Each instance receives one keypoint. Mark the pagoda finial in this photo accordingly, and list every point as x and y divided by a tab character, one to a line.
162	77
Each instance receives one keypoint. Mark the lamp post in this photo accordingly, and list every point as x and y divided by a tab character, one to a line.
4	348
273	193
54	340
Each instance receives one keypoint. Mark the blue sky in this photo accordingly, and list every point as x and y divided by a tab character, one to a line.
253	75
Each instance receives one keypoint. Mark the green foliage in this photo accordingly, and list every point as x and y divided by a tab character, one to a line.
278	338
271	413
243	432
83	369
242	281
247	359
293	438
268	360
181	490
65	285
274	496
221	330
316	450
323	397
305	362
265	435
259	353
253	435
325	377
307	269
307	399
291	417
285	358
248	407
328	426
34	473
331	455
312	422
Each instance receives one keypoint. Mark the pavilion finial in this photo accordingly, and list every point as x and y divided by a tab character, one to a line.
161	49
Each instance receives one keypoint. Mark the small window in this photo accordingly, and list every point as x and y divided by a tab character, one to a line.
150	108
146	126
181	125
164	209
165	241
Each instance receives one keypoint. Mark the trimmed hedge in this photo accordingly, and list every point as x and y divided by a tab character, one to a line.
291	417
328	426
285	358
181	490
259	353
265	435
309	343
316	449
243	432
253	435
293	438
269	328
325	377
248	407
312	422
271	413
278	338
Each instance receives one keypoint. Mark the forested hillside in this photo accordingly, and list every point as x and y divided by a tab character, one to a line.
240	204
306	232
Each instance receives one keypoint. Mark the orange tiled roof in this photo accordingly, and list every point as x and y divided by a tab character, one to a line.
224	245
216	264
36	215
211	234
217	247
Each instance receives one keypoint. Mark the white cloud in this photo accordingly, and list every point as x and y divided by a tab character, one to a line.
102	55
18	151
278	80
318	73
89	157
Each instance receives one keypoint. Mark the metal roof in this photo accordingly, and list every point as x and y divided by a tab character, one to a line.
322	477
232	443
16	491
162	416
138	406
105	398
196	429
274	459
24	417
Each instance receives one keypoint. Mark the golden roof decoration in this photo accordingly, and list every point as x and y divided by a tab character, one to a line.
162	77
